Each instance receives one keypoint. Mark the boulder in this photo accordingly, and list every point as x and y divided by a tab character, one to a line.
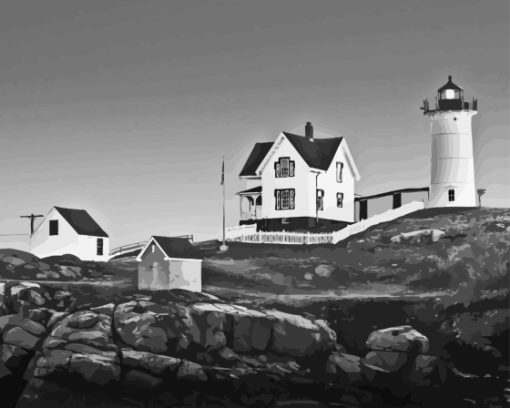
4	371
140	381
428	371
13	260
18	287
86	349
52	362
83	319
324	271
189	370
297	336
344	367
12	356
401	338
20	337
94	368
391	361
152	363
104	309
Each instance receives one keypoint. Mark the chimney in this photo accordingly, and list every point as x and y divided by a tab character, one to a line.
309	131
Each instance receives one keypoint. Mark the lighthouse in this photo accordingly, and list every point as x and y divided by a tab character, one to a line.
452	172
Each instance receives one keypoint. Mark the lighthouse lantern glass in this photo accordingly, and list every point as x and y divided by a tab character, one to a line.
450	94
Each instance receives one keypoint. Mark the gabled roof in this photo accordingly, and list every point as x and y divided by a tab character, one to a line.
174	248
81	222
449	85
317	153
256	156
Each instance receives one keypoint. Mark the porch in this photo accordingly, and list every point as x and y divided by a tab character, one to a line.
250	205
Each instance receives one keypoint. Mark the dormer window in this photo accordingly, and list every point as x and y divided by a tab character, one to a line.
53	227
284	167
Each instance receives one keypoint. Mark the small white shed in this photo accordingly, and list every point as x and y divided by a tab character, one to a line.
169	263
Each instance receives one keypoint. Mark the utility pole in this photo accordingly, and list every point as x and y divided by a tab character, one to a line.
32	219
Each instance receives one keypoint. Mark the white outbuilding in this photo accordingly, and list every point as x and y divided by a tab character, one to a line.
169	263
70	231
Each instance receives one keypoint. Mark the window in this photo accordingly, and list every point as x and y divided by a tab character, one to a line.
100	246
339	200
153	248
320	199
285	199
339	171
284	167
53	227
450	94
451	195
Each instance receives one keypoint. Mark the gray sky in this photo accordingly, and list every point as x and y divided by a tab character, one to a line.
125	108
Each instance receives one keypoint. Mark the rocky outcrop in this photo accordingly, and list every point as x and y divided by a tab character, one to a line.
150	350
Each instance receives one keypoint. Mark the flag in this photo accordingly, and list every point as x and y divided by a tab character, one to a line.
223	172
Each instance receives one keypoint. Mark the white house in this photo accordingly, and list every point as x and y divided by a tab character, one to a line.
70	231
300	182
169	263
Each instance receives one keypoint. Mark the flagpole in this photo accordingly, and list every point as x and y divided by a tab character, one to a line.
223	247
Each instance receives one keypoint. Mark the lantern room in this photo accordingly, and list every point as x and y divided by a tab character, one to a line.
450	96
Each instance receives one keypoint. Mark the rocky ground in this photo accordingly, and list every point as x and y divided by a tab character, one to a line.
185	349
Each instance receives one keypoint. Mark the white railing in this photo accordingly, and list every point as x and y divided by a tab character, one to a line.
248	233
233	233
284	237
386	216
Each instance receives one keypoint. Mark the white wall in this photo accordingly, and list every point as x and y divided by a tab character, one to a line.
68	241
331	187
300	182
452	164
186	274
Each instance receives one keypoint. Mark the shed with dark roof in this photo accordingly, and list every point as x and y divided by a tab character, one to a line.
170	263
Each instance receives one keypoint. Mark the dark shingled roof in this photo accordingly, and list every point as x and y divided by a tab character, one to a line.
449	85
81	222
256	156
317	153
178	247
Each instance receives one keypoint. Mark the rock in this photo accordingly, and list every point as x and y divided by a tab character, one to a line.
401	338
324	271
52	362
140	381
4	371
391	361
104	309
418	236
86	349
41	276
51	342
428	371
40	315
12	356
62	295
23	285
189	370
345	367
13	260
83	319
94	368
152	363
42	266
52	275
20	337
296	336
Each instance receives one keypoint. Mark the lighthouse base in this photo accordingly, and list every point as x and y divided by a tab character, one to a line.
452	195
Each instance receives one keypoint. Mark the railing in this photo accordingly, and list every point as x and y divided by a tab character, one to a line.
249	234
386	216
139	245
127	248
284	237
232	233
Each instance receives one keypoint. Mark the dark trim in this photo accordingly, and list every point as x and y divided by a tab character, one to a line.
297	224
388	193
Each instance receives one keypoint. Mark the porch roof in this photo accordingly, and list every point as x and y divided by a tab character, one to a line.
253	190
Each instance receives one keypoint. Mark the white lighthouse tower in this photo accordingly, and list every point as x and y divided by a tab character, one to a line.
452	175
